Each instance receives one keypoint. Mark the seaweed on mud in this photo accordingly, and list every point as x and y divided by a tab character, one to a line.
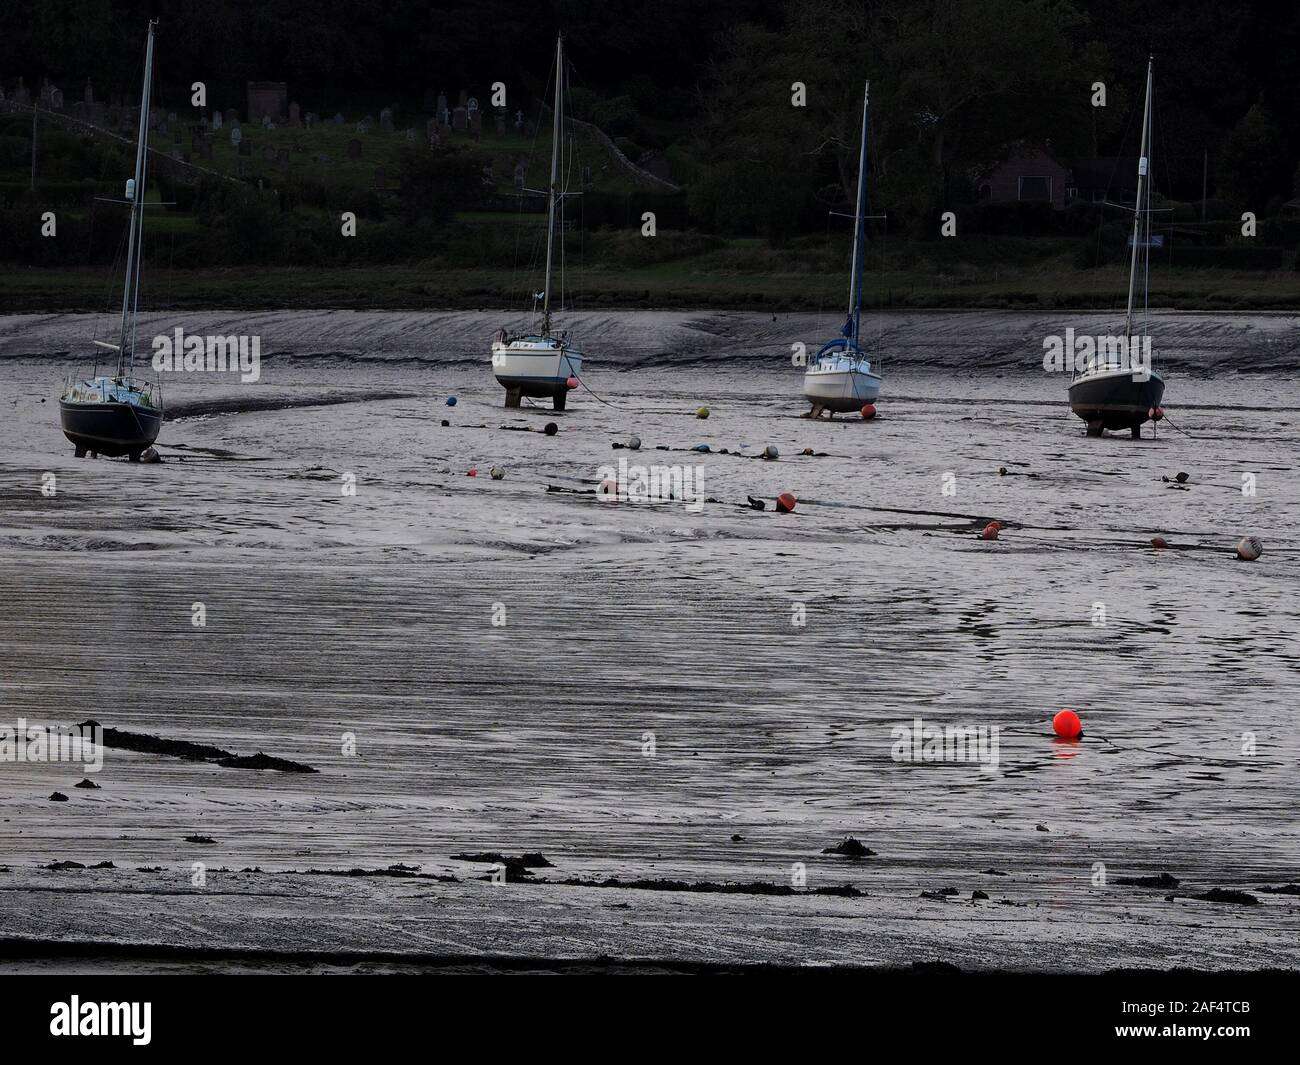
850	847
847	891
144	743
1240	898
1164	880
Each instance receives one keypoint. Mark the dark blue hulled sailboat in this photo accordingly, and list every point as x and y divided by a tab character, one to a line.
115	415
1113	391
841	377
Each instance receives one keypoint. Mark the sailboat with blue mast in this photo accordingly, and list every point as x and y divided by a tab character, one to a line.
841	377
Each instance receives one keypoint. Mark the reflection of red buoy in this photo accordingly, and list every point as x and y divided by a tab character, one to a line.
1159	543
571	383
608	490
991	530
868	411
785	502
1067	725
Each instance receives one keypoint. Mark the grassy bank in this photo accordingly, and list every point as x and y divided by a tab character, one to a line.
699	282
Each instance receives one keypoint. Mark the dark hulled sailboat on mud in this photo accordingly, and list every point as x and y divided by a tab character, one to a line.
1112	391
113	414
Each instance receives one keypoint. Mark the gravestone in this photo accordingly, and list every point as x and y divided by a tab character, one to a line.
268	154
282	158
216	120
463	99
171	118
410	136
476	123
246	148
267	123
236	135
386	120
205	149
354	149
295	114
442	104
520	171
458	120
431	131
232	117
338	119
519	122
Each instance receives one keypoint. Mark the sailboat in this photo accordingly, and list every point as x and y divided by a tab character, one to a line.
113	415
542	364
1110	391
841	377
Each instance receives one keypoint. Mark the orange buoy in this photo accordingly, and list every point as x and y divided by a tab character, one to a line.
868	411
1159	543
571	383
785	502
991	530
1067	725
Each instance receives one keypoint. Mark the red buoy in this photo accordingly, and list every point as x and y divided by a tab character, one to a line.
1157	414
991	530
868	411
1067	725
1159	543
785	502
472	472
571	383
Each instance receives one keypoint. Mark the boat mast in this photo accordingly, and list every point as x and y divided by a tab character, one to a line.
555	179
131	291
1140	210
859	231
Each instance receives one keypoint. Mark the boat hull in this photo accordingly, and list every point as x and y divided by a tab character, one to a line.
541	373
1114	400
840	390
109	428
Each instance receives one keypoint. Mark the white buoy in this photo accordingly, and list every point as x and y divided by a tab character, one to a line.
1249	548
